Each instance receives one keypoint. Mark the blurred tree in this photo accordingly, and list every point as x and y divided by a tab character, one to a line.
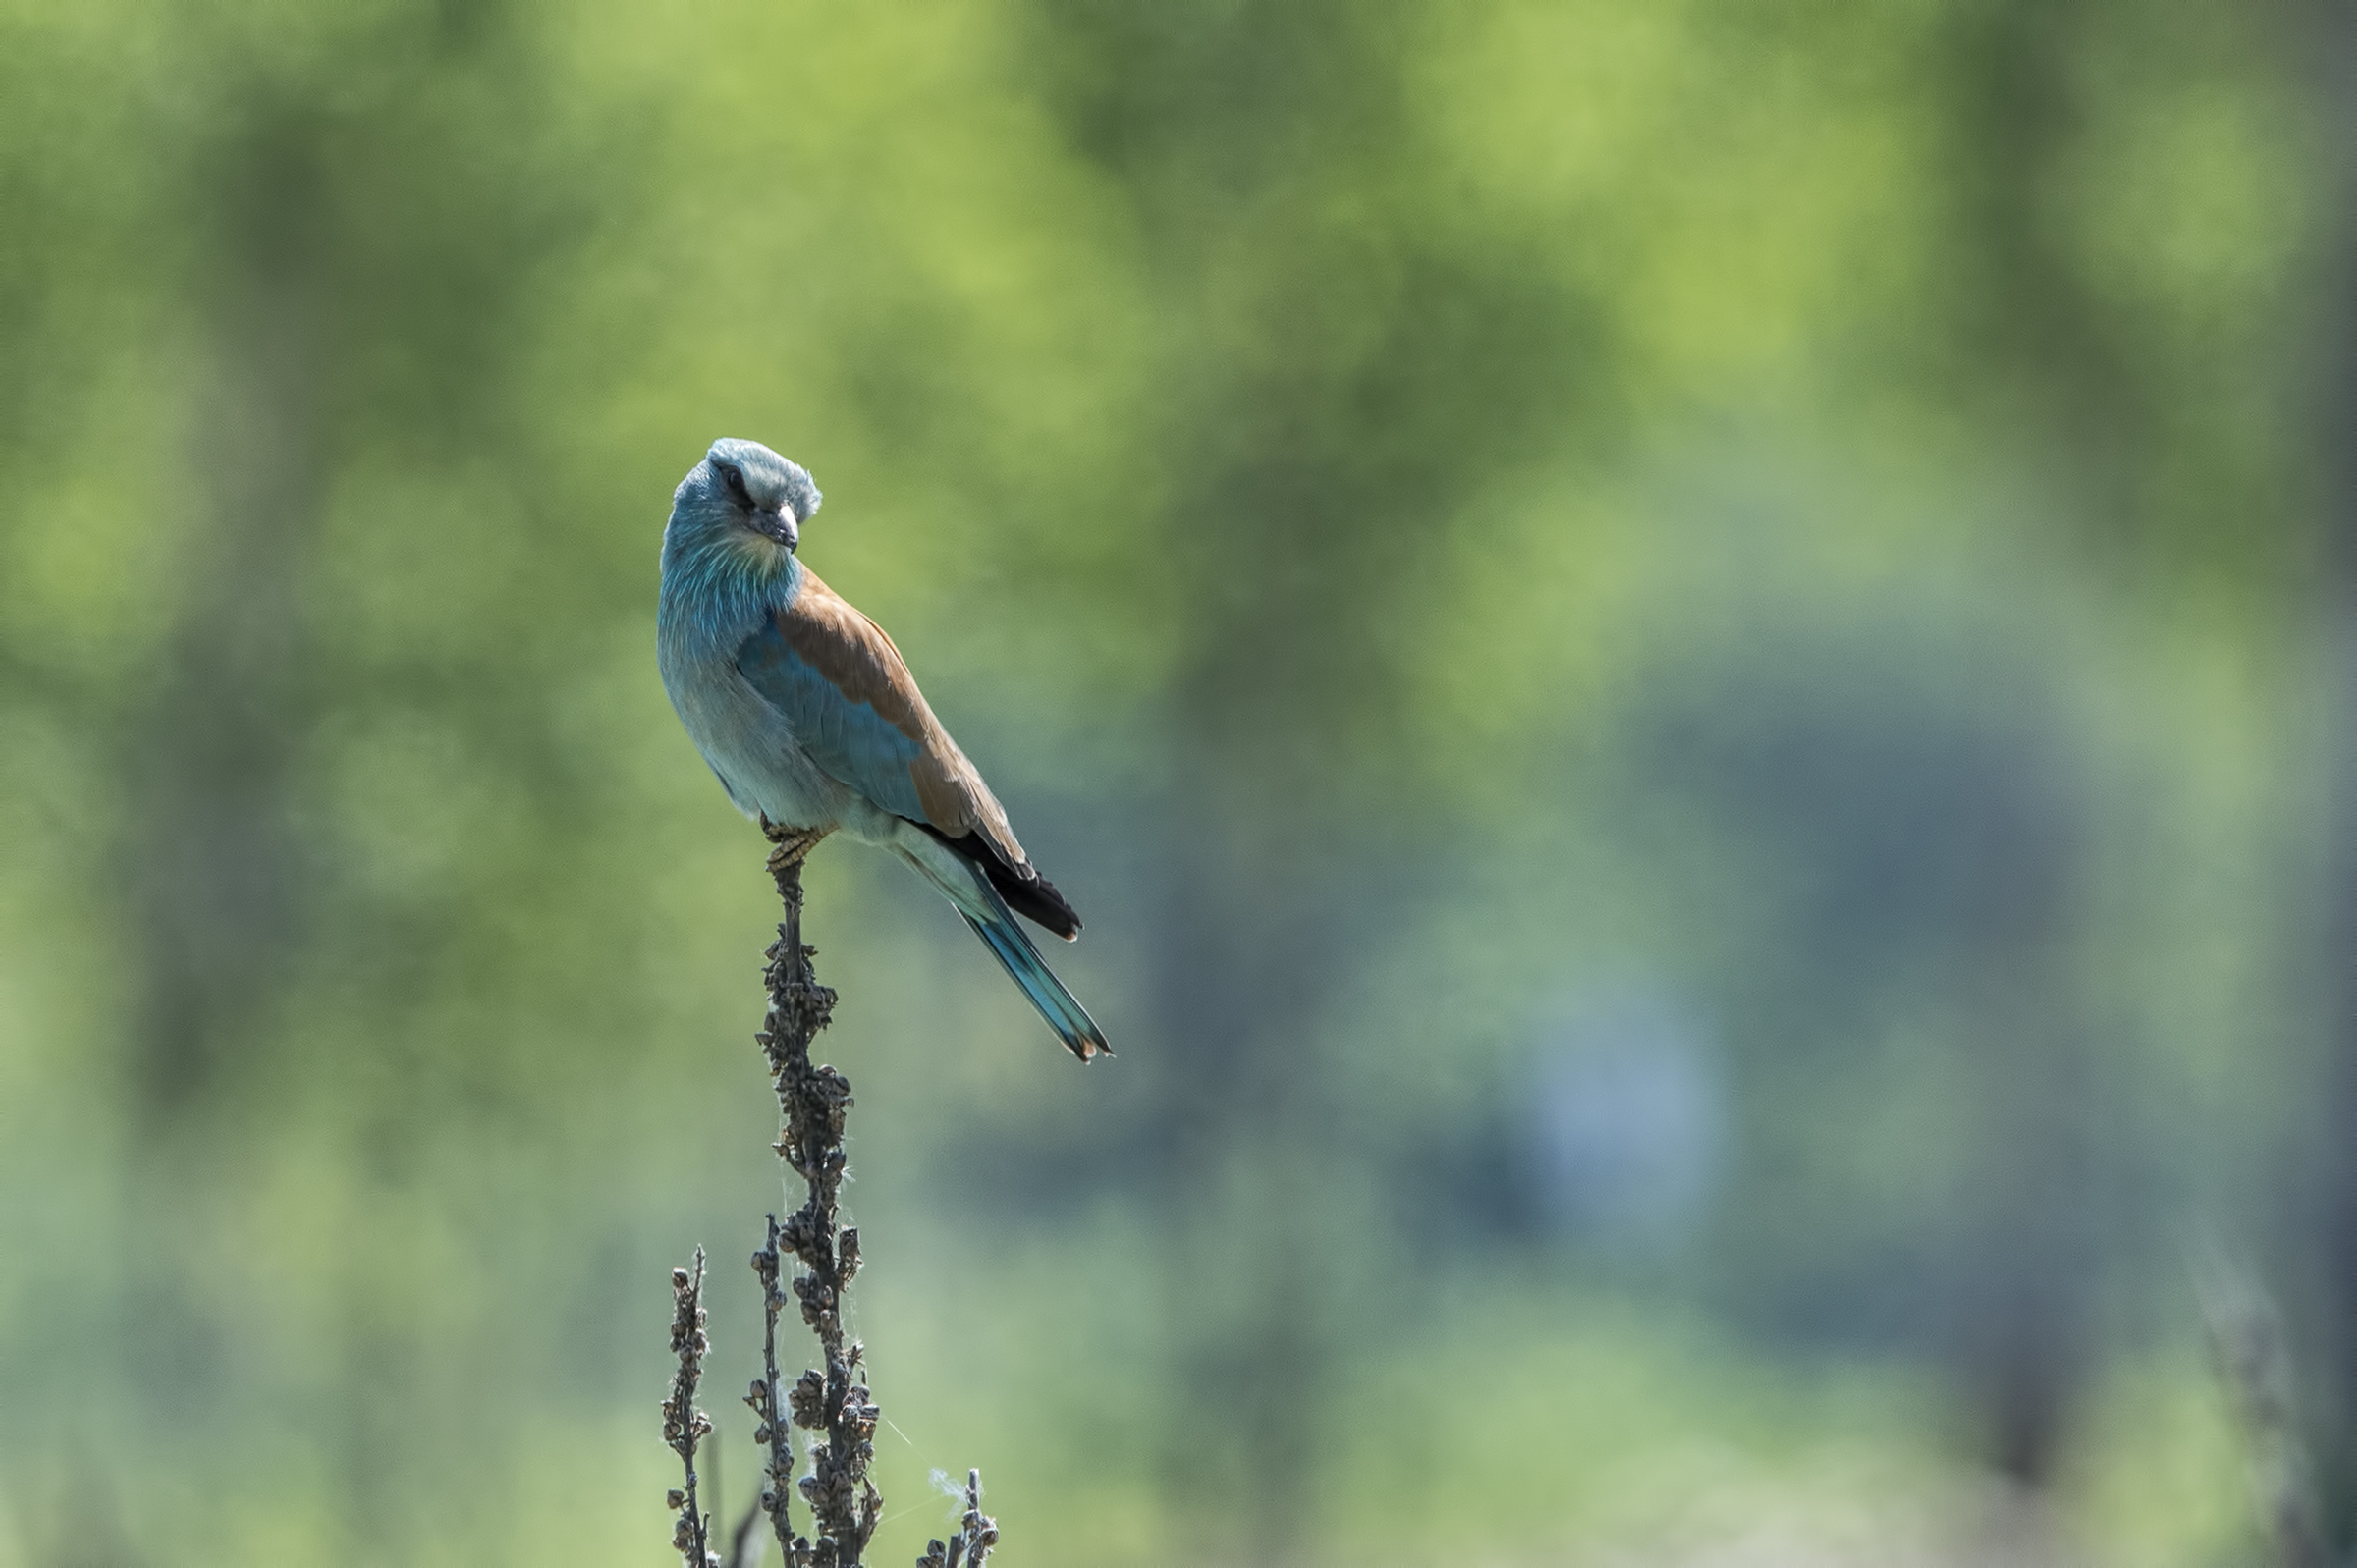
2327	1220
1908	814
211	763
1345	361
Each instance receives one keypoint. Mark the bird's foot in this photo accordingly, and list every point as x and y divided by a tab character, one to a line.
794	845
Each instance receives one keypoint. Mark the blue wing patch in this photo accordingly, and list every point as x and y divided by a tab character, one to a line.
853	743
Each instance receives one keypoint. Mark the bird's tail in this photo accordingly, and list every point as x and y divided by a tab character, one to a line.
984	911
1058	1007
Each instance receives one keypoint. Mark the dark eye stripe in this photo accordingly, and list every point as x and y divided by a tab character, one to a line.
733	478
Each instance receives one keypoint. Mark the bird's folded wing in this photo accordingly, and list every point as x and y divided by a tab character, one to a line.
853	705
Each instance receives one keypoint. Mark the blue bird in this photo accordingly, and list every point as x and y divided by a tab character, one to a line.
807	712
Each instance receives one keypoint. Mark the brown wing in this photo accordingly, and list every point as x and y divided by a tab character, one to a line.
856	657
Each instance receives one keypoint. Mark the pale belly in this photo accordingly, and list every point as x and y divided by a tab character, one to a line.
764	769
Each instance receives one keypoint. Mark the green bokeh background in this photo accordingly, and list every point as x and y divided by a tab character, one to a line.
1783	538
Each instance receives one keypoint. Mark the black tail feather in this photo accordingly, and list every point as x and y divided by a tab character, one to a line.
1031	895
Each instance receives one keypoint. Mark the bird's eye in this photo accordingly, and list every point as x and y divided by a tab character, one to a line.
733	478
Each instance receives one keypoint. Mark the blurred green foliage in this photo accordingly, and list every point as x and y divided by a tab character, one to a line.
1434	518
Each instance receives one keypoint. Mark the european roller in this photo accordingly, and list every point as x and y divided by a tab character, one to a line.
810	717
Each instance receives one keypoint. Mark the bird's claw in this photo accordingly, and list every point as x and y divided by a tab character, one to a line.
794	845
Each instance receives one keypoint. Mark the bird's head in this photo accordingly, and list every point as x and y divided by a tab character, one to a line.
743	484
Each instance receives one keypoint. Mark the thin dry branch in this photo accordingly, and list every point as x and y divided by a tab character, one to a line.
978	1532
684	1425
833	1399
769	1420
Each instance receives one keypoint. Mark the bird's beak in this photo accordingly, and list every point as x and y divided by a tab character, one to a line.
779	526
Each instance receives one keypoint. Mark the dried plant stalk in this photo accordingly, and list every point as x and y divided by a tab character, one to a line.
684	1425
978	1532
831	1401
769	1420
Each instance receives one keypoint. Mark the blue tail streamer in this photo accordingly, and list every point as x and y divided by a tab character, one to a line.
1013	948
